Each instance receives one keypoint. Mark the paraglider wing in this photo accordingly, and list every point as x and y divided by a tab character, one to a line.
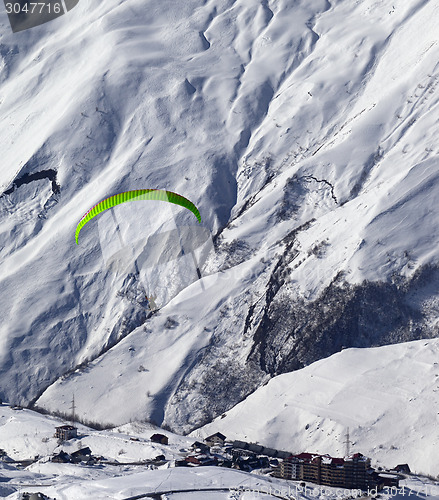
140	194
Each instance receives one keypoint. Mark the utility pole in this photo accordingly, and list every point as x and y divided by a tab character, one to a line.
73	408
347	442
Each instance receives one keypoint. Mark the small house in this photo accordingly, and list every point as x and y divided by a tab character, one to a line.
181	463
66	432
215	439
82	455
208	460
264	462
61	458
242	463
239	452
34	496
200	446
193	461
225	462
159	438
4	456
387	480
201	460
402	468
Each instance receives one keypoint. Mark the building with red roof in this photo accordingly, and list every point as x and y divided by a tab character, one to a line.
349	472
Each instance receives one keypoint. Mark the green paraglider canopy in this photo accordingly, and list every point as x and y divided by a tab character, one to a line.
139	194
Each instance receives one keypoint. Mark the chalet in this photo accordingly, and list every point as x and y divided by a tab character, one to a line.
389	480
66	432
260	462
402	468
241	463
82	455
250	463
198	460
264	462
34	496
214	439
200	446
61	458
159	438
224	462
181	463
192	460
207	460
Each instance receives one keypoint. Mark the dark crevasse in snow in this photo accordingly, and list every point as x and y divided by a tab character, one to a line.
26	178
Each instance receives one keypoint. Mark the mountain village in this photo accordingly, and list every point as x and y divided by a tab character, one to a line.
352	472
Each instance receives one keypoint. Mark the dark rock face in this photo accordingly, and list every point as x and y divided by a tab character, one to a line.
293	333
288	333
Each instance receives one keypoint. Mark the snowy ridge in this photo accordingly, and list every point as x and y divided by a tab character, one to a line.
386	396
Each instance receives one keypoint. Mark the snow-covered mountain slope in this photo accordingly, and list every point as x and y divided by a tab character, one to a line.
25	434
306	134
387	396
